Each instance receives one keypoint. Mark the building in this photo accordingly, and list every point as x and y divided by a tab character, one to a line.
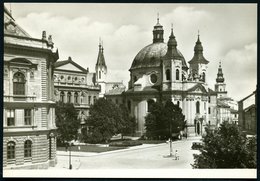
159	71
101	75
74	84
29	139
247	113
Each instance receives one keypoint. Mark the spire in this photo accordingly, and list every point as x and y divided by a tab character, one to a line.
172	43
158	31
101	59
220	76
198	53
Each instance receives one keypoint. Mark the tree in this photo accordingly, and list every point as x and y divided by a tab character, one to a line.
129	125
227	147
105	120
66	122
164	120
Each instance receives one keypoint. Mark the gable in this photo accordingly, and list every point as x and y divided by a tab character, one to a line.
69	66
197	89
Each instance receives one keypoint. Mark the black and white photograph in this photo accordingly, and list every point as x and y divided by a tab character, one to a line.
130	90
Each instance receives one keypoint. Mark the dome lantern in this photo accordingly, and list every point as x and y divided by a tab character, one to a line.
158	32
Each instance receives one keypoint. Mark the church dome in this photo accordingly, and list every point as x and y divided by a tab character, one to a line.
151	55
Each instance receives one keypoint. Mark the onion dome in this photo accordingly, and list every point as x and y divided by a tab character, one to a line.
173	52
220	76
198	54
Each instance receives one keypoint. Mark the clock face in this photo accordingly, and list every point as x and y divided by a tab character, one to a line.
153	78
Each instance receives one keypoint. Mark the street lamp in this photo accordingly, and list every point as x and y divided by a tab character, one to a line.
70	165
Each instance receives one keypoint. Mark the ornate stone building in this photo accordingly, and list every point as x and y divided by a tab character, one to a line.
159	71
74	84
29	139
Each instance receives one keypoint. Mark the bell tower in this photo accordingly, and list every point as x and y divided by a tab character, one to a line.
101	70
220	86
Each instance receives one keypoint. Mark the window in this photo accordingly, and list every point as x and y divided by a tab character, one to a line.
209	99
177	74
11	150
203	76
197	107
28	149
62	96
10	118
129	105
209	110
76	97
69	97
178	103
235	115
89	100
168	74
99	74
150	104
94	99
153	78
18	84
27	117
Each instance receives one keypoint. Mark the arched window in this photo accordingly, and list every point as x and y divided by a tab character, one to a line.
150	103
62	96
177	74
18	84
203	76
76	97
28	149
69	97
129	105
11	150
178	103
197	107
168	74
99	72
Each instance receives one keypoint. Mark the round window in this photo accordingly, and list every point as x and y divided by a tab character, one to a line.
69	77
153	78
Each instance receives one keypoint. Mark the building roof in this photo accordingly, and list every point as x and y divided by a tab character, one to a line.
64	62
222	104
198	54
101	59
249	108
115	91
11	27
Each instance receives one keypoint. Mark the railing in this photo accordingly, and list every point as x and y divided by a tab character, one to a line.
24	98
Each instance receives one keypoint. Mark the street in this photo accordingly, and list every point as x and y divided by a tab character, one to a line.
138	157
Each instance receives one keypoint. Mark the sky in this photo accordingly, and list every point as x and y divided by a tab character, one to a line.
228	33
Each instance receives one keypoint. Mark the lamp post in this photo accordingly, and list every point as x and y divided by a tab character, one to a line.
70	165
170	139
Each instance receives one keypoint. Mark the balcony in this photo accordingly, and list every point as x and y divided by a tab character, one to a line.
19	98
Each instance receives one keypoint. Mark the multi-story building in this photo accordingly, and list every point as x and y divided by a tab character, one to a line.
29	139
74	84
247	113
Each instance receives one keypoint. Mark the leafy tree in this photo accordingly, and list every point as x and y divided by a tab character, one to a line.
227	147
105	120
66	122
129	125
164	120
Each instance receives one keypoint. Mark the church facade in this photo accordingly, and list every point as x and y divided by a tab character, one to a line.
29	139
159	71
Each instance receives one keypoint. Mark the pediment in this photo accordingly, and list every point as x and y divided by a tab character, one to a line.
69	66
197	89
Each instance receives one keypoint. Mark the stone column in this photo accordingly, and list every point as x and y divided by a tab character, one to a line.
65	96
72	97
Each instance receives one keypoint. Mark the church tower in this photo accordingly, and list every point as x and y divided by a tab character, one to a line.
172	65
220	86
198	64
101	70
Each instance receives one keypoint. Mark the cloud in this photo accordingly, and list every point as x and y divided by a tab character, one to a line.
240	70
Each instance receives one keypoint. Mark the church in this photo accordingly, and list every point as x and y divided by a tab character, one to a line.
160	71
